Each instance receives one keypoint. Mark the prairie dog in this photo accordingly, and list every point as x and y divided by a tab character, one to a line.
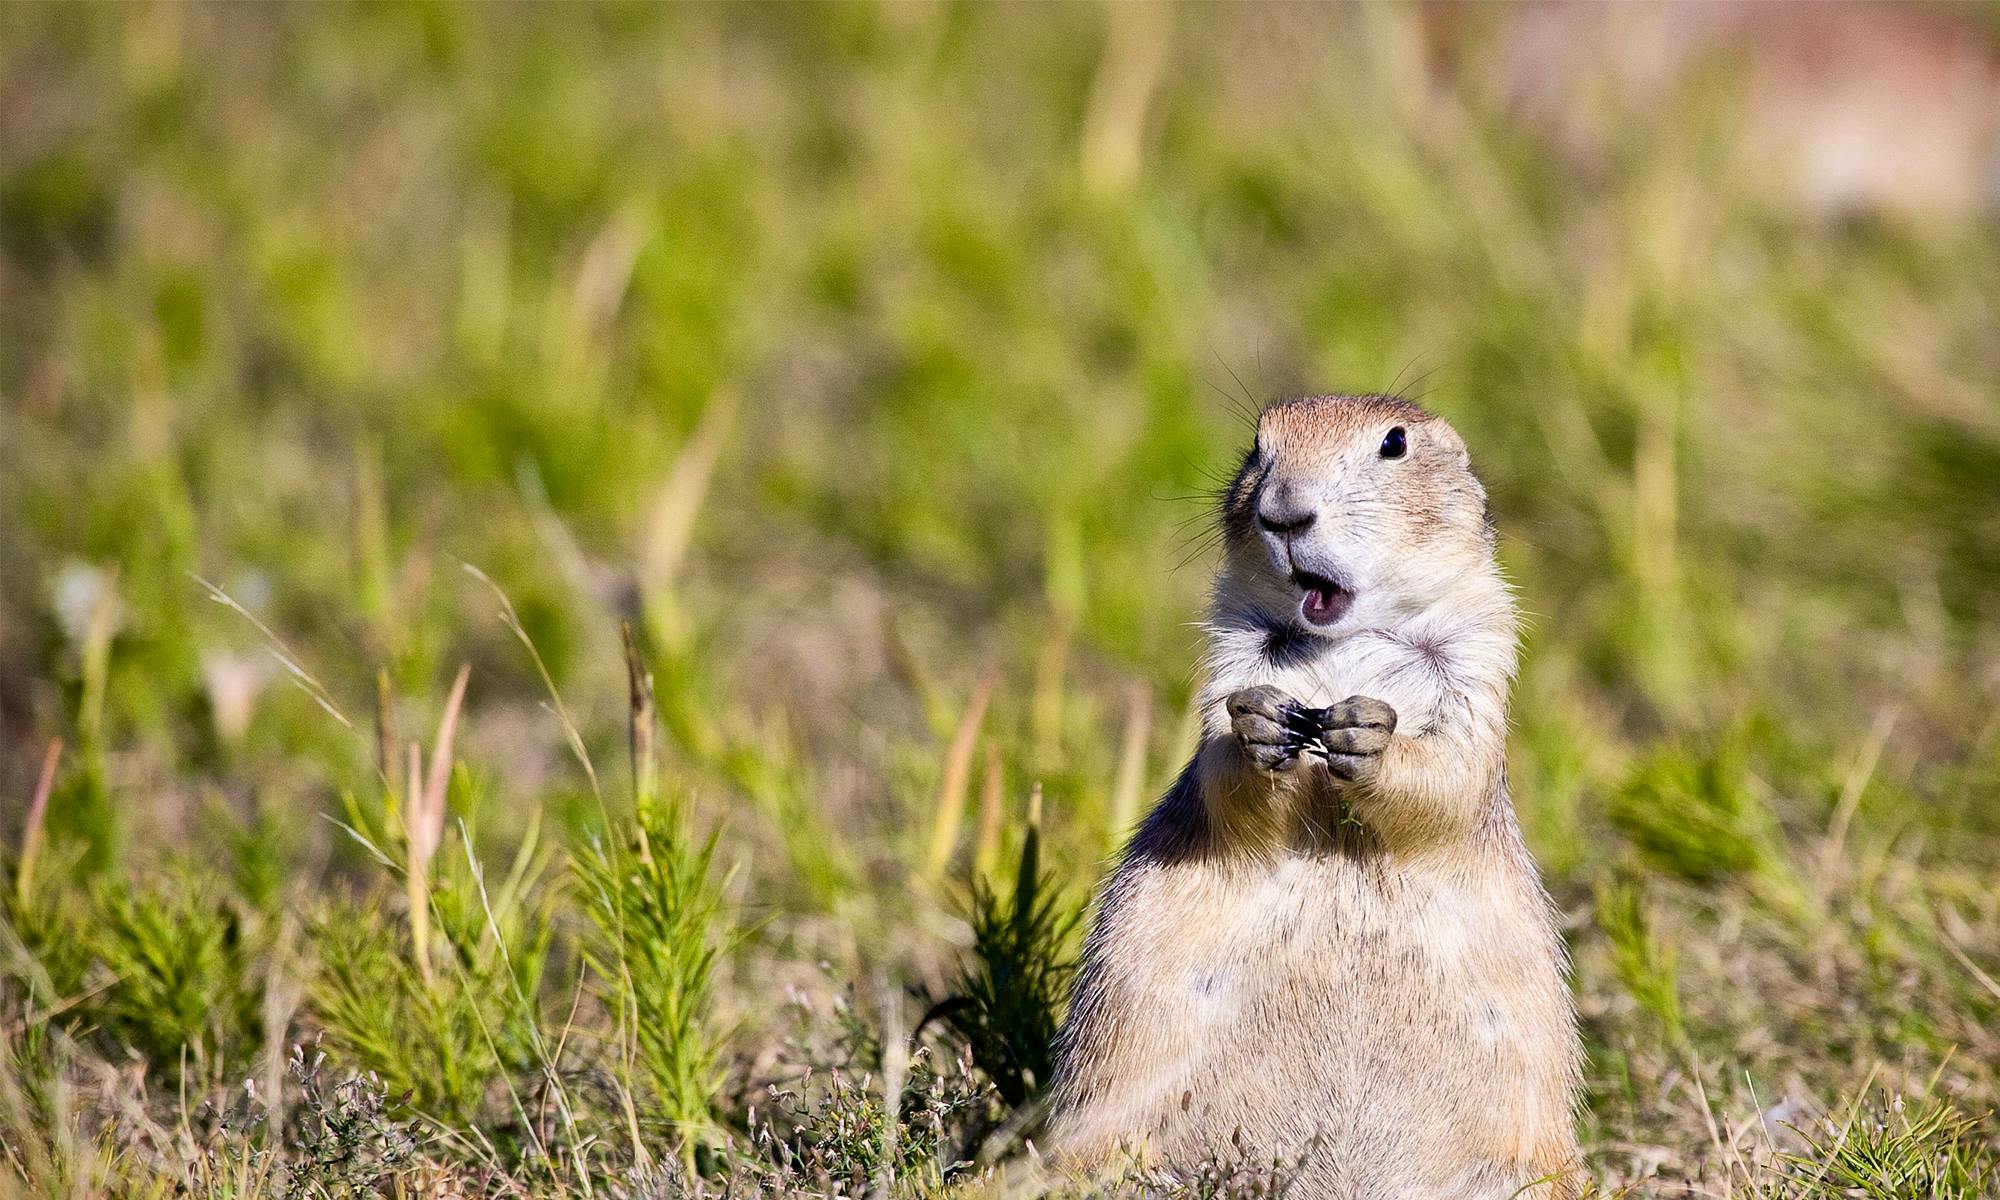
1341	956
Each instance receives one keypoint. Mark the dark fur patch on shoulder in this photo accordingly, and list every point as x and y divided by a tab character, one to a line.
1176	830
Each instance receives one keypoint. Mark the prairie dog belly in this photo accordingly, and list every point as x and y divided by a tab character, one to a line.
1386	1017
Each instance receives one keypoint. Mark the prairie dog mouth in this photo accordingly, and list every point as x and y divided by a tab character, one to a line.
1325	601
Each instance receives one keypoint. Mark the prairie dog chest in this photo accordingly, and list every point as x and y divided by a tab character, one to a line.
1383	667
1411	679
1429	671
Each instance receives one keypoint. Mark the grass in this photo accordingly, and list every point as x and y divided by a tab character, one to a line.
800	421
1007	998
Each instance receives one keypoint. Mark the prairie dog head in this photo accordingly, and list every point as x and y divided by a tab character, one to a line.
1351	513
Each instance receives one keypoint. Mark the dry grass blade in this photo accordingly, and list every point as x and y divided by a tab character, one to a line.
1950	942
278	650
948	810
1045	705
1851	791
423	818
428	829
37	819
909	669
670	524
605	276
385	729
512	620
1122	94
645	768
416	882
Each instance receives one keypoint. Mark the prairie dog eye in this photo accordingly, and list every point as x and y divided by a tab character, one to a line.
1394	444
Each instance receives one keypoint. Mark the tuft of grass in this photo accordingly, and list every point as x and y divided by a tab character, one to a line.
181	960
454	1042
1898	1150
662	928
1644	960
426	1044
167	968
423	822
1007	1000
1689	810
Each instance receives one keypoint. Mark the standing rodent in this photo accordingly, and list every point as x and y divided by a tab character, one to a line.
1339	954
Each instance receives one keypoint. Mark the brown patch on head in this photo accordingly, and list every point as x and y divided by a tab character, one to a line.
1313	425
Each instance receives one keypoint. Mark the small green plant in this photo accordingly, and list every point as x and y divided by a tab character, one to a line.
377	1012
444	1010
1008	998
172	971
349	1136
842	1138
661	926
448	1043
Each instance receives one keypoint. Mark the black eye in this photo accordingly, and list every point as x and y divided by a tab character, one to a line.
1394	444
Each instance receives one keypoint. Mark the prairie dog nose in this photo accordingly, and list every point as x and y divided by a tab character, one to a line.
1281	511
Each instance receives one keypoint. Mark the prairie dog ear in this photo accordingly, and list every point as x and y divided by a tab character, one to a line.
1440	429
1454	444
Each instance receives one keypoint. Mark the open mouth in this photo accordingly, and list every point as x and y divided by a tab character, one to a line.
1325	601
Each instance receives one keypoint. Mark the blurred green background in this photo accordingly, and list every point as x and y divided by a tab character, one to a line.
853	351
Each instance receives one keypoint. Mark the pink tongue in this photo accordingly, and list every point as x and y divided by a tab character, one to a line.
1324	607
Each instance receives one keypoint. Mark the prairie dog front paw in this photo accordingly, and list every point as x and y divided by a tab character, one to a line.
1273	729
1355	732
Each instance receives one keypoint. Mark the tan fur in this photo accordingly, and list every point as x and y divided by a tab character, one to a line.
1364	974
